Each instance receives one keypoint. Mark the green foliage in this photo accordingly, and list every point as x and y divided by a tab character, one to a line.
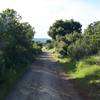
48	41
93	28
64	33
16	40
78	49
62	43
49	45
72	43
16	48
61	28
85	74
37	47
88	45
75	51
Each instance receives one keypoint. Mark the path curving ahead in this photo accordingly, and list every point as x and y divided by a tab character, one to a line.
44	81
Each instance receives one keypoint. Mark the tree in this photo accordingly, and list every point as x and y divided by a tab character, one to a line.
62	28
93	28
15	41
93	33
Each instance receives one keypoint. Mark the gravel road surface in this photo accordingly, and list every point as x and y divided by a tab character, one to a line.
44	81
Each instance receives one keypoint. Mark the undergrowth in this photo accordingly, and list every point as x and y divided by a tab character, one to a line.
85	74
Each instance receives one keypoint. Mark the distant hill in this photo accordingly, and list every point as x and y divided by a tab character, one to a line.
42	40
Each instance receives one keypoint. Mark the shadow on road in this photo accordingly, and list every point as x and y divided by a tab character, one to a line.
44	81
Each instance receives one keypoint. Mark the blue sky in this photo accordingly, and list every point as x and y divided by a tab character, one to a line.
42	13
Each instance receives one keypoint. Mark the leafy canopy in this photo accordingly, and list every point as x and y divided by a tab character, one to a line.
62	28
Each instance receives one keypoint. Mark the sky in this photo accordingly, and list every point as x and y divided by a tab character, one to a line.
41	14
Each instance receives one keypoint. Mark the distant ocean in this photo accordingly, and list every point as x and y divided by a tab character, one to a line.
42	40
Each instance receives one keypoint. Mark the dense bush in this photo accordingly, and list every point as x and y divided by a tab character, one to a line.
74	44
16	47
63	42
37	48
62	28
88	45
49	44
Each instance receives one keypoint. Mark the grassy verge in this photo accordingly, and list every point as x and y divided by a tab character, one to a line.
10	79
85	74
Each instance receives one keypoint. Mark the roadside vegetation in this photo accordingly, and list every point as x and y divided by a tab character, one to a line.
17	50
79	53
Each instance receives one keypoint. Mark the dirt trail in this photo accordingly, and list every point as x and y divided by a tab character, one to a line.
44	81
